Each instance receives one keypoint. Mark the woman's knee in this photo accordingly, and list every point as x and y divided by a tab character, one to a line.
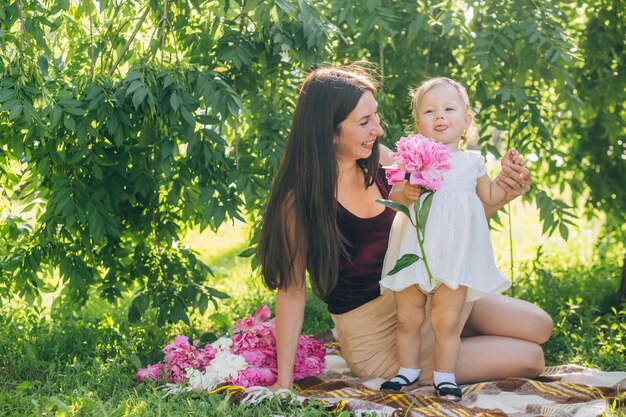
533	363
543	326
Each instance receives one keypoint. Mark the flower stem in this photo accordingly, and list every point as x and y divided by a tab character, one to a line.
420	240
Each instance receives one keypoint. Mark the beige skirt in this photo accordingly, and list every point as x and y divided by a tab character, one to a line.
367	336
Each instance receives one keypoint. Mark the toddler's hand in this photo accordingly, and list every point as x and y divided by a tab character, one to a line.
511	157
412	192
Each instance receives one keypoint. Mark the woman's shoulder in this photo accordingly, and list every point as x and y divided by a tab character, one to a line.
381	181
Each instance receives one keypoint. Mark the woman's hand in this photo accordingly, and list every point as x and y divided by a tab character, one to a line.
514	178
277	387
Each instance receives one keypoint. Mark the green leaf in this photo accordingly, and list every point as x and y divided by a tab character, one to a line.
178	314
139	96
69	123
77	111
133	87
6	94
207	119
175	101
248	252
404	261
396	206
422	213
217	294
135	361
564	231
55	116
15	111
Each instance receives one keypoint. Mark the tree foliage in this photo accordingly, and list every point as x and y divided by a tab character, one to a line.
125	123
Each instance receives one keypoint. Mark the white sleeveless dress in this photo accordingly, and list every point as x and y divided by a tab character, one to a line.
457	242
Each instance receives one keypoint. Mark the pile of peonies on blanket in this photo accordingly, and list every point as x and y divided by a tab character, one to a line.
246	359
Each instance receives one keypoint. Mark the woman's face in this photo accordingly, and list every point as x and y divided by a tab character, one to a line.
359	131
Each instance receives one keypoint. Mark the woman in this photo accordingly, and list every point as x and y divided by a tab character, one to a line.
322	218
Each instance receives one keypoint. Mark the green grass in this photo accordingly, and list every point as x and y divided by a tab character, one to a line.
82	364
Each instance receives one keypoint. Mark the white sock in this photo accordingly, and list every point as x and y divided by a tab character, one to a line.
410	373
440	377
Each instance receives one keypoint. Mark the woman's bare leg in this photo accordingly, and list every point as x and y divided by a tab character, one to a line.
445	319
506	334
410	305
499	315
489	358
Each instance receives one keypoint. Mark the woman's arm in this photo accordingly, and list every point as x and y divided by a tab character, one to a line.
290	304
385	155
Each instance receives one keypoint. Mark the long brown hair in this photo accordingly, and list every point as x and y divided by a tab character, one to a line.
301	215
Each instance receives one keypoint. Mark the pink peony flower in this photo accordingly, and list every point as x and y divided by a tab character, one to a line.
262	357
254	332
425	159
179	356
150	372
250	323
207	354
394	175
252	377
309	358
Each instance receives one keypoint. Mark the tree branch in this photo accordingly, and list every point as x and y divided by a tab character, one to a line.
129	41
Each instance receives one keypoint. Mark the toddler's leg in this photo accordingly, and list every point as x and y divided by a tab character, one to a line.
410	309
445	319
410	304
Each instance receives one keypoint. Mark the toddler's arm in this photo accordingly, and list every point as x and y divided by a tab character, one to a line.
491	193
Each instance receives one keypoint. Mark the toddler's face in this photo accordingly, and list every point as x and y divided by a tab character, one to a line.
442	116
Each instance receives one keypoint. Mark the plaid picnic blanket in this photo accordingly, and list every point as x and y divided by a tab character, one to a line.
561	391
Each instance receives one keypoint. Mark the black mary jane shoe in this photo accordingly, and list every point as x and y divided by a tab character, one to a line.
449	391
405	385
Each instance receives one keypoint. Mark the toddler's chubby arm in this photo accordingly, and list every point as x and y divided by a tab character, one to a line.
514	178
492	192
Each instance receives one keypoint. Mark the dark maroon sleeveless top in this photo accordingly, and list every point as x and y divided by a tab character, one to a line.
367	243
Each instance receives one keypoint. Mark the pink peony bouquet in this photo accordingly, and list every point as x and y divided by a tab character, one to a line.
421	161
246	359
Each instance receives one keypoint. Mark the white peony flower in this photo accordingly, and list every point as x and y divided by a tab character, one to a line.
200	381
226	365
222	344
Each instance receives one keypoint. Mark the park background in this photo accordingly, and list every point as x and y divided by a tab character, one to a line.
139	140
